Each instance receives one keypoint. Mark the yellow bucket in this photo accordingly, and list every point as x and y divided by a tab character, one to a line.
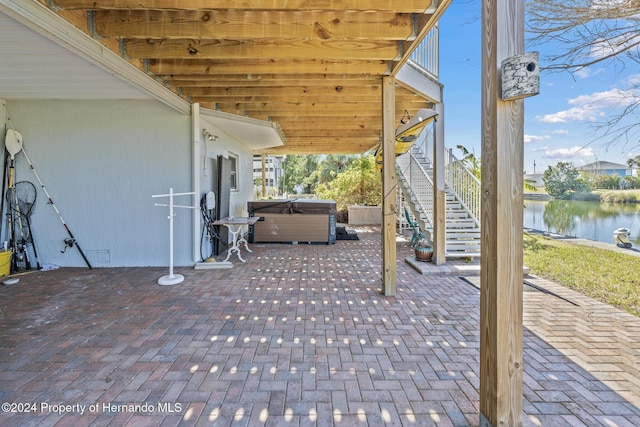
5	263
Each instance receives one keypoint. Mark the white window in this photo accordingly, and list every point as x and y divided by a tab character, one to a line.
233	175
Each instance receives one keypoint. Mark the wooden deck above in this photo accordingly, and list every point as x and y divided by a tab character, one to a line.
314	67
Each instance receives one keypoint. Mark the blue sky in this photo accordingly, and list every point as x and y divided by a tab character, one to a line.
558	122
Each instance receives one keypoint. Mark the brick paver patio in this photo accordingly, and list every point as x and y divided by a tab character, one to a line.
299	335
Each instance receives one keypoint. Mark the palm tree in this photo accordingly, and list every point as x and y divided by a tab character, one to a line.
634	163
470	161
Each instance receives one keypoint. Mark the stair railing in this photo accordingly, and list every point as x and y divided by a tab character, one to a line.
419	185
464	184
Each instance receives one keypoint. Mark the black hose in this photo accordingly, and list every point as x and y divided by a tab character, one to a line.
208	216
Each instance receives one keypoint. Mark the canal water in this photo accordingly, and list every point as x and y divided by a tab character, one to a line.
589	220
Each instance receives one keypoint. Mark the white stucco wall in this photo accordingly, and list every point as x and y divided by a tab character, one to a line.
227	145
101	161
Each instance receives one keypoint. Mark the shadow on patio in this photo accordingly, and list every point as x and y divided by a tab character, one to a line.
299	335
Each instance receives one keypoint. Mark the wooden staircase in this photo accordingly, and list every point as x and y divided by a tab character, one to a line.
415	175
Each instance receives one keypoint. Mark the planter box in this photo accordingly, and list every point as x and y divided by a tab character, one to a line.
365	215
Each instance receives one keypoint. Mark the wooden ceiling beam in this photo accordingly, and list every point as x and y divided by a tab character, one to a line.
242	25
290	98
259	79
320	124
188	81
273	81
326	127
296	109
317	92
364	110
320	146
352	133
262	49
216	68
405	6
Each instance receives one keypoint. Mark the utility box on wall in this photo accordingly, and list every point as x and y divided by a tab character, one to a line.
520	76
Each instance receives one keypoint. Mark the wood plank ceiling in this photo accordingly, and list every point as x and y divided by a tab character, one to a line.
314	67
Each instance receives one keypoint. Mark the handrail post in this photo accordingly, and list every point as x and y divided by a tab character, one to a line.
450	164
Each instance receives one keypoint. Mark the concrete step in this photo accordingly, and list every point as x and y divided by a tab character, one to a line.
455	254
463	234
454	223
461	245
458	214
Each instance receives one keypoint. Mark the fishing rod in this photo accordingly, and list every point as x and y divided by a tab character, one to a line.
12	143
633	219
71	240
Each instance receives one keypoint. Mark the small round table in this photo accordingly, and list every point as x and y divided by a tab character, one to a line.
236	228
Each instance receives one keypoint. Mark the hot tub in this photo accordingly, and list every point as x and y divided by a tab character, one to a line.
293	221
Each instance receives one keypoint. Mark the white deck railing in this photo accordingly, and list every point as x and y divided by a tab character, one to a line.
426	55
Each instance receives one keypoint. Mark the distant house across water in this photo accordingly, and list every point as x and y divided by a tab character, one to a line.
606	168
534	179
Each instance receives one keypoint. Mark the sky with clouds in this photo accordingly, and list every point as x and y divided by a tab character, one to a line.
560	122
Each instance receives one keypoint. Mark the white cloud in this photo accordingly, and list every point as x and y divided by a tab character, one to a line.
634	79
567	153
534	138
539	149
575	114
586	72
592	107
560	132
612	46
583	73
613	98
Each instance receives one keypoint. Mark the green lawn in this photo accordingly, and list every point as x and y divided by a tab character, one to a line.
608	276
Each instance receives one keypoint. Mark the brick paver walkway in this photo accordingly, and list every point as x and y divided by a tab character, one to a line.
299	335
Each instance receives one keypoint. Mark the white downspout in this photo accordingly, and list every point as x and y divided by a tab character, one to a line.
3	116
196	135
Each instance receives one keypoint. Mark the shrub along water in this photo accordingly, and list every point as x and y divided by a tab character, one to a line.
619	196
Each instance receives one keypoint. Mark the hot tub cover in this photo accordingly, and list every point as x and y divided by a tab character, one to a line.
292	206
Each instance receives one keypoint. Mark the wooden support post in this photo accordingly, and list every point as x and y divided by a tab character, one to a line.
502	224
389	182
439	195
264	177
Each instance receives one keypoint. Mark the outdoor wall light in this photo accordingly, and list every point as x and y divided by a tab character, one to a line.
209	136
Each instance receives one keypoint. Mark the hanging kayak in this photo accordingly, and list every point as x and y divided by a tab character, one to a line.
407	133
